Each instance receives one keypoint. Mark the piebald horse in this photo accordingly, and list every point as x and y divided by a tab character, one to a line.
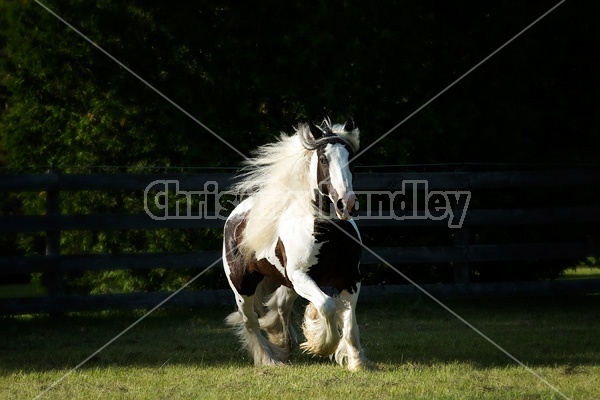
294	235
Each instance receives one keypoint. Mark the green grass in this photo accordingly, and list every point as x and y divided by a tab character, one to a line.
589	268
582	272
421	352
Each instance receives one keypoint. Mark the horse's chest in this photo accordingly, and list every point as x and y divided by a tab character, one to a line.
337	262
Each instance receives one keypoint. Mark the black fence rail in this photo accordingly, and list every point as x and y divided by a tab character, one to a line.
461	254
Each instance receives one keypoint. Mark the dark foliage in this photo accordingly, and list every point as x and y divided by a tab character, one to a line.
249	70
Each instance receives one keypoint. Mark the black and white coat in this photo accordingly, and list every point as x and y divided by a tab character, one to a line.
292	236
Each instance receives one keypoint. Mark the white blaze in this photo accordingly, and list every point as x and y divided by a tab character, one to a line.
339	174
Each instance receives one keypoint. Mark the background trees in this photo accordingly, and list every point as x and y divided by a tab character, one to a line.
249	71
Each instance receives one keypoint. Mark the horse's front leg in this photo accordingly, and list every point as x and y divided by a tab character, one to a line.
320	326
349	351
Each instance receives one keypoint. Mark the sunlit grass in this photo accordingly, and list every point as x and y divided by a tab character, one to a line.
589	268
582	272
314	381
421	352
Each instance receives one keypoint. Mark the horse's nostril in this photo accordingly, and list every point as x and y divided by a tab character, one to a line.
340	205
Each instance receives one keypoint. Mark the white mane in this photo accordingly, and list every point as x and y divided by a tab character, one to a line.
278	178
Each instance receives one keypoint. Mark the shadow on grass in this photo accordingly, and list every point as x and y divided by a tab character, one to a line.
538	332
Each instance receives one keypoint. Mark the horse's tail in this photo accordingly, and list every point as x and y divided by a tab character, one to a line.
321	333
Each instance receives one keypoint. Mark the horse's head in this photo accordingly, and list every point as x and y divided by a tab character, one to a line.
333	147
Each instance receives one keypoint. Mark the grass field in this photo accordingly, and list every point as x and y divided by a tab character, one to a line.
582	272
421	352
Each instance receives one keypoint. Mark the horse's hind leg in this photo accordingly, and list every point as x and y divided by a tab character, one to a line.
349	351
276	321
245	322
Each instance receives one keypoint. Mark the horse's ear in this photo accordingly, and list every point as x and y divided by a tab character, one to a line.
349	125
316	132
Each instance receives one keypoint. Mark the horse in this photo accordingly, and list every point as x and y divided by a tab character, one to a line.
291	236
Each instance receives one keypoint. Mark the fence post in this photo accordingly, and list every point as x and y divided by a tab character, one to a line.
461	238
52	278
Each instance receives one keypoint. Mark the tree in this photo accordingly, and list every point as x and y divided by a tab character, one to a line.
248	71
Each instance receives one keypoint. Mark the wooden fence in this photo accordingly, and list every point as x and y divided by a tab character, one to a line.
461	254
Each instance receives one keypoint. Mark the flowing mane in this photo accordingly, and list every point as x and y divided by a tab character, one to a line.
277	177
